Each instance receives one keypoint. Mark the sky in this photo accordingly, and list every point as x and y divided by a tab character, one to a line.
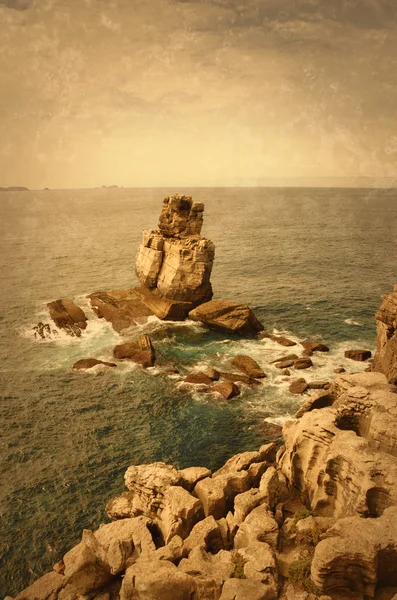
196	92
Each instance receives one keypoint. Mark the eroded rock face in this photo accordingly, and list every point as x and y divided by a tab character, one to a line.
67	316
140	351
122	308
174	262
344	457
385	359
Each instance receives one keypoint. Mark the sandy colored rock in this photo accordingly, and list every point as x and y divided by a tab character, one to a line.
217	493
244	460
246	589
122	308
244	503
303	363
89	363
198	378
259	525
219	565
314	402
298	386
227	389
358	355
386	339
358	554
312	346
273	485
156	580
239	378
140	351
248	365
227	316
67	316
205	534
45	588
212	374
174	262
192	475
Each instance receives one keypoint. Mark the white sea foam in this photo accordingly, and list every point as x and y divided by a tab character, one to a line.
352	322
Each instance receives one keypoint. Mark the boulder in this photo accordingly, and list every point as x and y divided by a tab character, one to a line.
219	565
198	378
246	589
157	580
174	262
89	363
298	386
192	475
227	389
212	374
311	346
217	493
122	308
140	351
244	503
227	316
314	402
156	493
280	339
205	534
67	316
248	365
284	364
244	460
359	355
239	377
303	363
260	525
317	385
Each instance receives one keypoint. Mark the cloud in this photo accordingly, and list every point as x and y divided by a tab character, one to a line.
17	4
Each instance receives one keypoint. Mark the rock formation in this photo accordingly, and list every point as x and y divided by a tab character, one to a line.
385	359
227	316
67	316
174	262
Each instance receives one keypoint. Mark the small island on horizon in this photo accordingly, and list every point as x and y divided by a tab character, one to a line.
14	188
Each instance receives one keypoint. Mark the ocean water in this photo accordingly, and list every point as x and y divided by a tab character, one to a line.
312	263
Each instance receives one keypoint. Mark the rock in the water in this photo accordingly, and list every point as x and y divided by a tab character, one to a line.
248	365
140	351
174	262
317	385
198	378
212	374
67	316
239	377
89	363
227	389
227	316
359	355
303	363
122	308
280	339
298	386
314	346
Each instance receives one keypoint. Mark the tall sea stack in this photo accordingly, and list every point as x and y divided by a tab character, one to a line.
174	262
385	359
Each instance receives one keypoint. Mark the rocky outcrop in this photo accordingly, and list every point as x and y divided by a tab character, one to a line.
122	308
89	363
358	355
174	262
67	316
227	316
140	351
248	365
280	339
385	359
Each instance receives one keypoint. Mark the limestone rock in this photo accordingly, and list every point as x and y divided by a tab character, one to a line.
246	589
359	355
227	389
248	365
217	493
212	374
385	359
67	316
156	579
122	308
205	534
219	565
298	386
314	346
227	316
317	401
192	475
357	555
260	525
89	363
261	565
303	363
140	351
174	262
244	503
45	588
344	457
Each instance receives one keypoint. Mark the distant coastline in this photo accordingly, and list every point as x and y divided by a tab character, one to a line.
15	188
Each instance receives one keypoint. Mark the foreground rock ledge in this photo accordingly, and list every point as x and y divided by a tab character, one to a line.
316	518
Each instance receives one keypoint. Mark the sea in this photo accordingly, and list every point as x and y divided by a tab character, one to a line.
312	264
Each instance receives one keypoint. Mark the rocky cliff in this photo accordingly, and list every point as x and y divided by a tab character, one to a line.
315	518
385	359
174	262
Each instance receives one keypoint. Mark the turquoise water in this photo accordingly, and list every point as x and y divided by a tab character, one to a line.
310	262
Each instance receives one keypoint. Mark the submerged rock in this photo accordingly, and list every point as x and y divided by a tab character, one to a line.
67	316
122	308
311	347
298	386
227	389
140	351
89	363
248	365
227	316
280	339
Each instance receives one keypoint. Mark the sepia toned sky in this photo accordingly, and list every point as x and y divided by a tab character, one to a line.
196	92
